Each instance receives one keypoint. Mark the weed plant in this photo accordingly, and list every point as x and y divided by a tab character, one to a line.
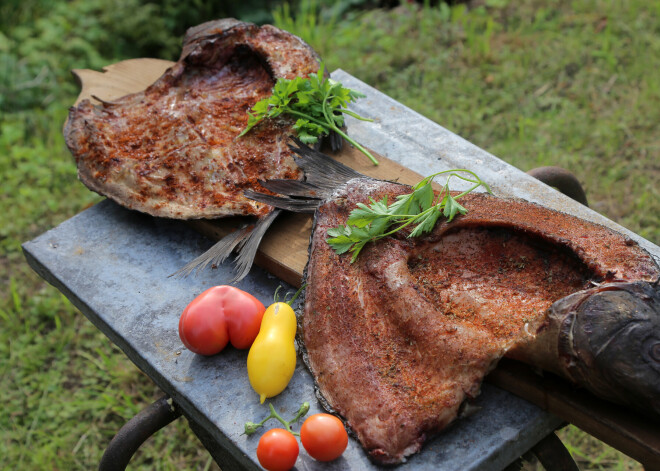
534	82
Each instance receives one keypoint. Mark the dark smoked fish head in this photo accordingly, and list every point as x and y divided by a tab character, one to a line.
609	341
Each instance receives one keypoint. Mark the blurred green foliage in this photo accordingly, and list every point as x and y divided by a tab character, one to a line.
41	43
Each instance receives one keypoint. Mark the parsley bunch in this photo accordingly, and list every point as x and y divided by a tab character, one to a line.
319	103
421	207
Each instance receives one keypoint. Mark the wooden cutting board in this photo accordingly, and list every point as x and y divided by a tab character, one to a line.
283	252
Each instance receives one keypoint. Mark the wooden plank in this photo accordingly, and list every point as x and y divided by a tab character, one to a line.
119	79
627	431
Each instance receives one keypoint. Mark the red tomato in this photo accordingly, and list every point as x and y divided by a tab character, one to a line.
219	315
324	437
277	450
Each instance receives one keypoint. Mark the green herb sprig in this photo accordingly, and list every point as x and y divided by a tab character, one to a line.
319	103
421	207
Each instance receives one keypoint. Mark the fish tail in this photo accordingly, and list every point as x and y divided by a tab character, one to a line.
247	247
323	175
245	240
321	170
296	205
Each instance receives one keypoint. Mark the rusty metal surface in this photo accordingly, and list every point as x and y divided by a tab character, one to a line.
114	265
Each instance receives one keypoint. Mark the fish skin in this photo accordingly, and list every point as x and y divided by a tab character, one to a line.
382	335
171	150
605	339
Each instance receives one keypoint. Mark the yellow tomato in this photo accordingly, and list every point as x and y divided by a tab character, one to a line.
272	357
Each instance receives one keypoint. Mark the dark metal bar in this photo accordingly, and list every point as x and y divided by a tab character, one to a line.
561	179
126	442
553	455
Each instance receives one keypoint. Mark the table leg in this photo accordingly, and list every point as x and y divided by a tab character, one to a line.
553	455
126	442
550	453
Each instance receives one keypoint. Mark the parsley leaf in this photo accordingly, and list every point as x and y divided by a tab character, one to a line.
421	208
318	102
452	207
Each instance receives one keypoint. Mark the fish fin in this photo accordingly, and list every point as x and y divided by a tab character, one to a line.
335	140
323	175
291	188
247	247
245	240
296	205
216	254
321	170
104	102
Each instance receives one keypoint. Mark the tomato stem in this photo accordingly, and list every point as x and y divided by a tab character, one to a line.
251	427
276	297
295	296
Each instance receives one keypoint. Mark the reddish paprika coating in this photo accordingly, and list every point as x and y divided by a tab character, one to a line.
172	150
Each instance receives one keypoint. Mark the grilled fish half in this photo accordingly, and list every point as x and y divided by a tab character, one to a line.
172	150
399	339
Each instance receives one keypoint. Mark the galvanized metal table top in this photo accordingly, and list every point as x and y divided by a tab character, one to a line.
113	264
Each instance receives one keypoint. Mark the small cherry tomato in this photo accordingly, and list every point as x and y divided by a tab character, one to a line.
277	450
220	315
324	437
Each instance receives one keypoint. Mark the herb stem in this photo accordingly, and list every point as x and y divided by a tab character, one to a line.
422	207
473	187
313	120
331	122
410	219
356	144
355	115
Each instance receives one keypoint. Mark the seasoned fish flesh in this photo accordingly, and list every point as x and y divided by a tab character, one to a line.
399	339
172	150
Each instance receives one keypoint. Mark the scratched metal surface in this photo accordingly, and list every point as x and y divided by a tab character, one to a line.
114	265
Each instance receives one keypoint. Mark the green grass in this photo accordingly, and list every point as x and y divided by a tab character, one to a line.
535	83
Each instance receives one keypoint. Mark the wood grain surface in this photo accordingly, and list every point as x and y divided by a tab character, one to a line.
117	80
283	252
